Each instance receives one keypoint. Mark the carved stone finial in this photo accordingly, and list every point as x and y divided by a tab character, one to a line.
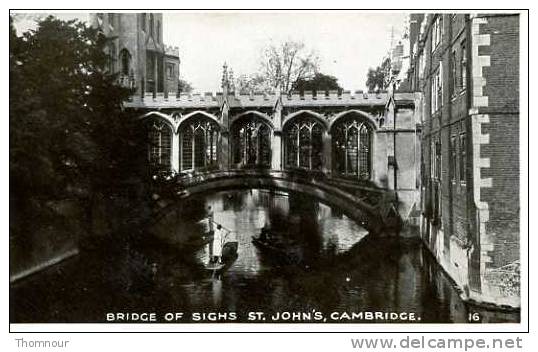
225	81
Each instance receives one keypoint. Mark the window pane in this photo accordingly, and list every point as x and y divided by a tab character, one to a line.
365	157
304	147
351	148
186	149
199	141
292	146
160	140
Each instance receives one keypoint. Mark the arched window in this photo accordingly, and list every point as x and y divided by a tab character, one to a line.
304	144
351	139
252	143
111	57
199	144
125	60
160	140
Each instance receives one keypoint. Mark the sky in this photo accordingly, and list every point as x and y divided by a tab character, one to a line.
347	43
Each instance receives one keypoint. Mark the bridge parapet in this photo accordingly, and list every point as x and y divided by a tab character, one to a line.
294	99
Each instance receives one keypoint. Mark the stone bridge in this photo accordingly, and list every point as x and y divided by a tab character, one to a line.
337	146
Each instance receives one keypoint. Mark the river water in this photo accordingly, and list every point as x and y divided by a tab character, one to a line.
338	273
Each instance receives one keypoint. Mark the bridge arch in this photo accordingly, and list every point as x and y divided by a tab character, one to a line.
353	204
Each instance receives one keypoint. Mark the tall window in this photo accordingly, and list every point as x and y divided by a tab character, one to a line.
432	158
463	66
463	157
438	165
143	20
453	159
199	144
150	65
125	59
160	140
421	65
304	144
150	71
170	68
352	148
440	86
112	57
252	143
151	24
433	95
437	31
454	72
437	179
437	89
111	19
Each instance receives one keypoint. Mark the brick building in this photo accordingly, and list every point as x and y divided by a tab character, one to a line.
137	51
467	67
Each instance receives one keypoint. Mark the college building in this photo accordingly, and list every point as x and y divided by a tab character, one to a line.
467	68
137	52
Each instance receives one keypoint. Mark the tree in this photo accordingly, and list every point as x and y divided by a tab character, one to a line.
184	86
246	84
319	82
68	135
378	78
285	64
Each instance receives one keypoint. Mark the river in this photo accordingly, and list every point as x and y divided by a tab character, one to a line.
339	273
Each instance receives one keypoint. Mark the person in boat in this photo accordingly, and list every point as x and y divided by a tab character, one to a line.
218	240
210	219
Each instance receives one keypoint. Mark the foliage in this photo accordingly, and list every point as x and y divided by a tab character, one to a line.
68	135
378	78
256	83
319	82
184	86
282	66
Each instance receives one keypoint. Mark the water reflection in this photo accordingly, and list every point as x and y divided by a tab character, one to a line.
341	269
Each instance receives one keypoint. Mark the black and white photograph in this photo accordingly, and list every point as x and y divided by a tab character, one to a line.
282	169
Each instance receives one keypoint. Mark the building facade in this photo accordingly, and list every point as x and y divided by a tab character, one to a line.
137	52
467	67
